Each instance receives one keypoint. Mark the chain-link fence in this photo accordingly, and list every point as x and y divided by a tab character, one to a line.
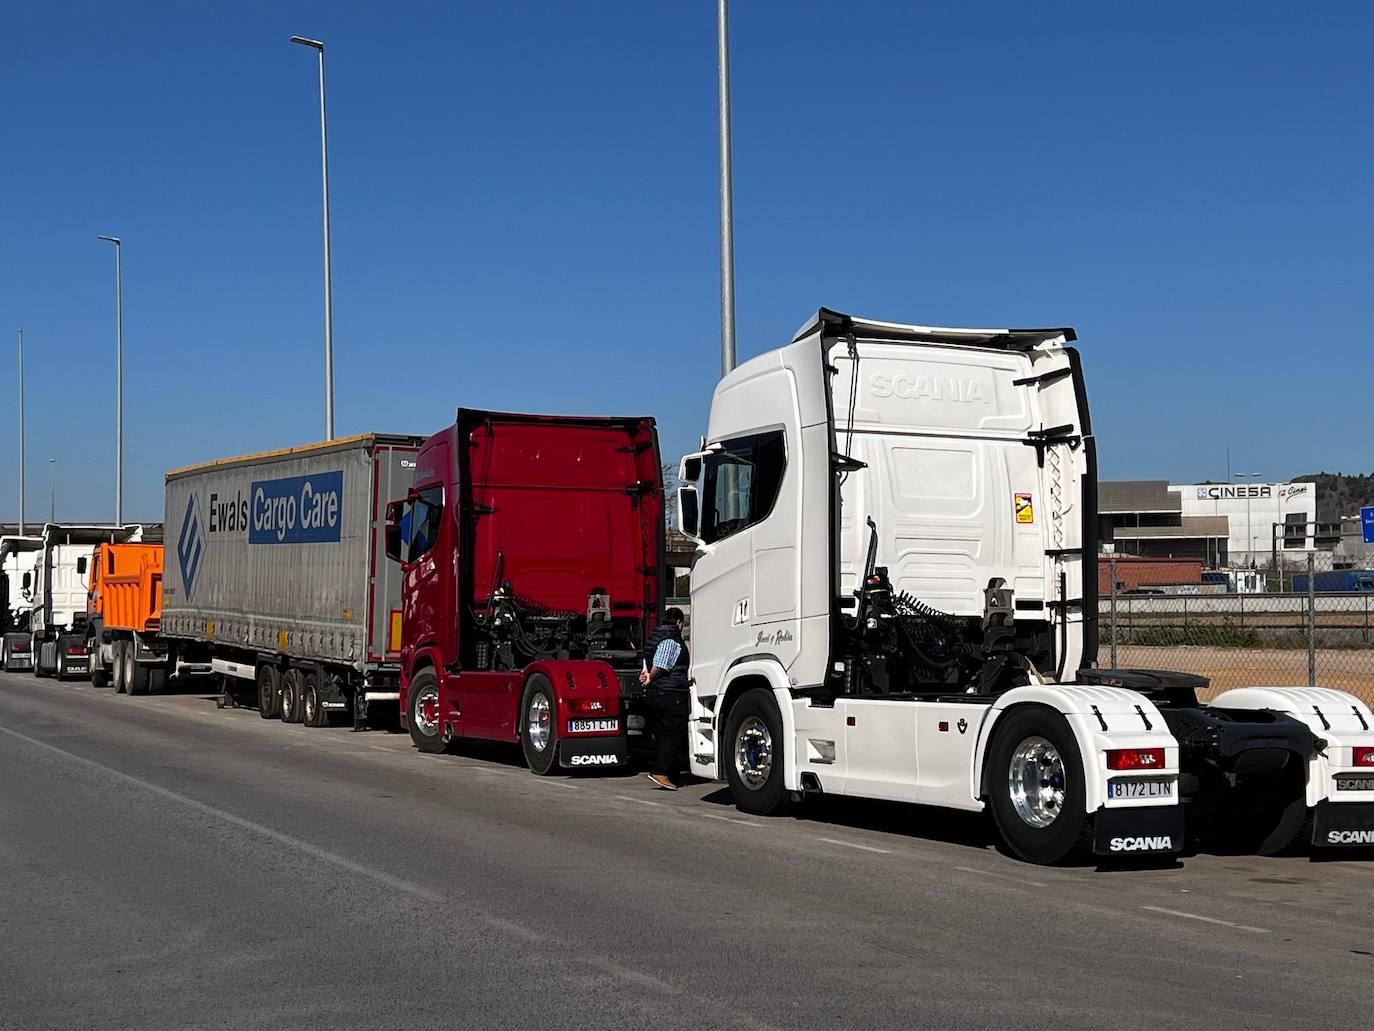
1244	640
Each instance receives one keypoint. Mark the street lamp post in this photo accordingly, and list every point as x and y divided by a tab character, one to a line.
21	433
727	206
318	47
1249	537
119	377
52	490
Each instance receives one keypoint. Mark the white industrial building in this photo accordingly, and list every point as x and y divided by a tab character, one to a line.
1259	516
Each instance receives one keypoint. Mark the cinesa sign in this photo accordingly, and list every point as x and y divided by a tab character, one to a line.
1223	492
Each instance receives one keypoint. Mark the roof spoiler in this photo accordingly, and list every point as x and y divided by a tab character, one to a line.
837	324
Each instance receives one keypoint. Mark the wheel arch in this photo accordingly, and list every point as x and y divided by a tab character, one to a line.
766	675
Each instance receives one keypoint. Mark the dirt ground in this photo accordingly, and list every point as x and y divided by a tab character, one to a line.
1345	669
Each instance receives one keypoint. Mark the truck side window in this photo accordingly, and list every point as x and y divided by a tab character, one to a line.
425	511
740	484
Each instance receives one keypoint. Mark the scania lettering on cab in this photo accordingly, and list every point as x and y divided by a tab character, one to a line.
277	580
532	551
895	597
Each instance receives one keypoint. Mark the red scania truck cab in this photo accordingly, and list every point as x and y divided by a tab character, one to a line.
532	556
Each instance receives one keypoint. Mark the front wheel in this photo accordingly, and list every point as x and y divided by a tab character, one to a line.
539	725
1035	786
422	713
752	753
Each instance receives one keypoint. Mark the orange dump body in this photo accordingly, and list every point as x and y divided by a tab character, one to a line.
126	586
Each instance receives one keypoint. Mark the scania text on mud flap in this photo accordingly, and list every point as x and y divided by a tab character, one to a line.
532	555
895	597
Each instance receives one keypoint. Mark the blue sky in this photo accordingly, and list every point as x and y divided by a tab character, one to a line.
524	214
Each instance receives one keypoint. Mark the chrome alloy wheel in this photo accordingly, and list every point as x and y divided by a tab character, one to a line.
427	711
538	722
753	752
1036	782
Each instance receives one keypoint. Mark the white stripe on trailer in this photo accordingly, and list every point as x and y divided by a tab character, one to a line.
232	669
382	696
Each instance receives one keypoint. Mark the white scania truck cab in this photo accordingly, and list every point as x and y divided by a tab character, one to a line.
895	597
18	560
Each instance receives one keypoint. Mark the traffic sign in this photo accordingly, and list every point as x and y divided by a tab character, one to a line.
1367	522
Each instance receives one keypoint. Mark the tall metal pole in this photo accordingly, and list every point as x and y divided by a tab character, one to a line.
21	433
318	46
119	377
52	490
727	212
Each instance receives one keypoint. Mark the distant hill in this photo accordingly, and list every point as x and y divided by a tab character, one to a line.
1340	495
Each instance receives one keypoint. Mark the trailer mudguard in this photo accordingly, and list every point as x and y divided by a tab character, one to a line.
1341	721
1102	718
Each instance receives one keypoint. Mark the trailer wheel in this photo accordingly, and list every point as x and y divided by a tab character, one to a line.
1035	786
313	714
753	753
422	712
539	725
269	692
291	693
135	673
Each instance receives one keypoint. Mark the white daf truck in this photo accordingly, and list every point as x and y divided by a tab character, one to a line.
18	559
58	619
895	597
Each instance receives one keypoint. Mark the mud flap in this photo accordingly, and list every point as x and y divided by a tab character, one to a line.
592	753
1343	824
1136	831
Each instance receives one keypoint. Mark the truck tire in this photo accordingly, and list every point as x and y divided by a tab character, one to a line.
117	666
60	674
37	652
157	679
1035	787
135	673
269	692
422	713
313	714
753	753
100	676
539	725
291	696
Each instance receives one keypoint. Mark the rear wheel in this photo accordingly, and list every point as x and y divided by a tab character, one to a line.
313	714
157	679
1035	786
291	692
539	725
117	666
37	653
135	673
753	753
269	692
61	667
100	676
422	713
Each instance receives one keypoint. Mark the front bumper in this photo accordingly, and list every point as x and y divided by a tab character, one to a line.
1138	830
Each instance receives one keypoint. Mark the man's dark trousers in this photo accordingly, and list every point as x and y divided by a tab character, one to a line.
670	707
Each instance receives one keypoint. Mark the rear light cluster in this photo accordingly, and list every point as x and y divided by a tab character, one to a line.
1135	759
1364	755
583	706
76	649
20	647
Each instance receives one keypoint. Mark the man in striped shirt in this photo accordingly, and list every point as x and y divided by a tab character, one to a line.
666	662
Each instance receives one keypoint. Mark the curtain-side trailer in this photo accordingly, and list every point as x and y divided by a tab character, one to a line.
276	575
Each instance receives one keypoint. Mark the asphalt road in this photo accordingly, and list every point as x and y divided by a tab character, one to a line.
164	864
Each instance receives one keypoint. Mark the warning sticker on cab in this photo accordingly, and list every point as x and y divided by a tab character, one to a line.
1025	511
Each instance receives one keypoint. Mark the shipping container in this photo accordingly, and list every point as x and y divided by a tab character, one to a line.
276	575
1339	581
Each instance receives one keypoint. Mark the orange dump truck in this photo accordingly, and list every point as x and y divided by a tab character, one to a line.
124	610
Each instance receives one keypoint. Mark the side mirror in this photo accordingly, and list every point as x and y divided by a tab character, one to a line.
688	511
394	539
28	582
81	565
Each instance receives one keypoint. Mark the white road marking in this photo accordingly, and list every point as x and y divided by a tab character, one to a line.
851	844
728	819
1003	877
324	855
637	801
556	783
1205	919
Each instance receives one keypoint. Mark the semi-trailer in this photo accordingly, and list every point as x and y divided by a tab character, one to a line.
894	598
18	560
57	622
277	578
532	552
